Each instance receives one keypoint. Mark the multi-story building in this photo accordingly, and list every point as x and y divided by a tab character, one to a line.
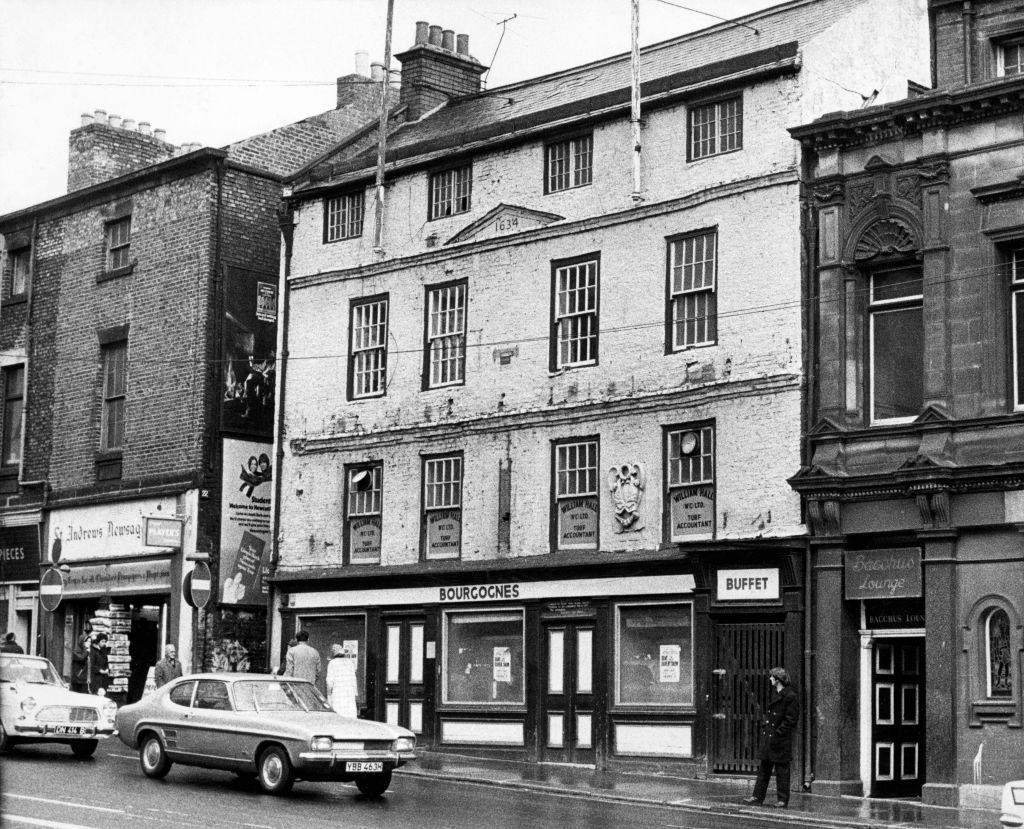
534	449
137	337
913	476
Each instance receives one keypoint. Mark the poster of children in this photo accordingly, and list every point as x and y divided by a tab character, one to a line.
245	523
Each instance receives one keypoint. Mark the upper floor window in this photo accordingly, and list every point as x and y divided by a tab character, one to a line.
998	654
451	191
115	388
442	507
363	513
368	349
14	407
20	260
896	343
446	335
1010	57
693	304
1017	311
343	217
690	484
716	128
576	494
119	235
575	312
569	163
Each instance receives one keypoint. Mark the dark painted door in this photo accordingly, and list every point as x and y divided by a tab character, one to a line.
402	660
567	711
897	717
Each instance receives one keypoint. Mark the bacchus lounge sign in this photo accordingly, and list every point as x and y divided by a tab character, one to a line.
884	574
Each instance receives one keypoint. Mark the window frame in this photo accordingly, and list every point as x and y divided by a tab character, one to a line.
111	397
699	427
112	249
352	198
9	398
556	497
573	173
1015	286
14	257
557	265
986	633
351	384
452	170
616	689
875	308
1014	41
429	339
446	673
715	105
376	470
672	296
425	462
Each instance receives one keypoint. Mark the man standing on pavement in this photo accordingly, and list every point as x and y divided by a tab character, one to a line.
777	739
167	668
302	661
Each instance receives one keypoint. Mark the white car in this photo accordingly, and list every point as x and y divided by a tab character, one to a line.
37	707
1013	804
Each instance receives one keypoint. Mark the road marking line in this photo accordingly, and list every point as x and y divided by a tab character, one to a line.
51	824
66	803
123	756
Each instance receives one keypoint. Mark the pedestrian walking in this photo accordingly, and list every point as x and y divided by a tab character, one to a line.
10	644
777	729
80	660
341	681
99	674
302	661
167	668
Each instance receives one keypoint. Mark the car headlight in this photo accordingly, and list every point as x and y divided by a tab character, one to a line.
28	705
404	744
321	743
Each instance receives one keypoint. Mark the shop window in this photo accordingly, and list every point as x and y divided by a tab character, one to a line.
693	298
115	388
483	657
896	336
716	128
1016	273
14	413
368	347
363	513
574	312
569	163
576	504
343	217
654	654
451	191
446	335
442	507
997	654
690	485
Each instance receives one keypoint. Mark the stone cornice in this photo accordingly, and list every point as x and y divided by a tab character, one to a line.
817	484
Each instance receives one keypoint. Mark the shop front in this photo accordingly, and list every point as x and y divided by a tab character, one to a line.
19	576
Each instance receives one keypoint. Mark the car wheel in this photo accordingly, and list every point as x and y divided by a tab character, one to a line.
375	784
153	758
84	748
275	771
5	742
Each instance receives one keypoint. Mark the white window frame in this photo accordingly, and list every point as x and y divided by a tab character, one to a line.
119	242
1017	66
451	191
115	393
576	300
875	309
1017	298
569	163
343	216
442	494
701	460
693	280
715	128
578	481
446	335
369	347
364	503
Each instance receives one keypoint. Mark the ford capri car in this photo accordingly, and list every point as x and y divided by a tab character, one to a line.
276	729
37	707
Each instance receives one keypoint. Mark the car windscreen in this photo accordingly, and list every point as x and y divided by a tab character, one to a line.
277	695
36	671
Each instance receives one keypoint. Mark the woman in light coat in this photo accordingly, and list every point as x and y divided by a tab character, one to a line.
341	681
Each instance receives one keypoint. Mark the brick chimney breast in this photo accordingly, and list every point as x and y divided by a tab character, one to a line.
103	148
437	68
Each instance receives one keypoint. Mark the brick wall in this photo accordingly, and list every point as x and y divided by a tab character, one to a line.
431	75
99	152
992	21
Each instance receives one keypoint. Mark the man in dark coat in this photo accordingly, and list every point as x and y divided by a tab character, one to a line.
167	668
80	661
99	674
10	644
777	729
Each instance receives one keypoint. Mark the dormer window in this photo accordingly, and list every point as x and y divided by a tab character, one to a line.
451	191
1010	57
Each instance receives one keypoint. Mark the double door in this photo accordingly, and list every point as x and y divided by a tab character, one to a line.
402	669
897	717
567	700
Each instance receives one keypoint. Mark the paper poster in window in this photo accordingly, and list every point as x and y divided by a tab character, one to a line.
364	542
502	665
669	663
350	647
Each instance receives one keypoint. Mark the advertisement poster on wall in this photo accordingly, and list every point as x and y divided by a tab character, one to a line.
250	361
245	522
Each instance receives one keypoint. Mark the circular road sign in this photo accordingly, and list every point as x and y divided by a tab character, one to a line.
197	585
51	589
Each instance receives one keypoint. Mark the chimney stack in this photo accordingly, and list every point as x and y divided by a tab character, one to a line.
105	147
437	68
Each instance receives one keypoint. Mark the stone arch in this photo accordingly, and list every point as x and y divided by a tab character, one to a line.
887	232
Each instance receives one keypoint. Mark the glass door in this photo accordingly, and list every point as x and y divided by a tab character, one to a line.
567	712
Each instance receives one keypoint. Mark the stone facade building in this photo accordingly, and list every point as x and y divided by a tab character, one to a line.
534	448
137	337
915	448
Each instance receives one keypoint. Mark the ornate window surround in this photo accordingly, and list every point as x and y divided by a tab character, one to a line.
983	709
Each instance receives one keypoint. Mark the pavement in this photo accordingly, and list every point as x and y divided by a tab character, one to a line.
713	796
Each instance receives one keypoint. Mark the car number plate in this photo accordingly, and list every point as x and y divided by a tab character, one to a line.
72	730
352	766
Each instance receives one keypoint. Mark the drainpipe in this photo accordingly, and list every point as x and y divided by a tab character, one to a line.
968	28
28	357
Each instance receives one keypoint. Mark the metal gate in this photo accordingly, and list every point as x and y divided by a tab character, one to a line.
743	655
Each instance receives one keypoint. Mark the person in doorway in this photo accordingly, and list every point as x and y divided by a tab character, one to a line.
167	668
10	644
777	729
99	673
80	660
302	661
341	681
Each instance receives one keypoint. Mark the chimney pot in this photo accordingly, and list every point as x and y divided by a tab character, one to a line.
448	40
363	63
462	47
129	124
160	134
101	116
377	71
395	79
145	128
114	121
422	32
435	36
87	118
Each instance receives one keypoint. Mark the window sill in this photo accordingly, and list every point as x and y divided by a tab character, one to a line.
550	192
692	160
560	371
343	239
9	480
986	711
16	299
683	349
449	215
117	273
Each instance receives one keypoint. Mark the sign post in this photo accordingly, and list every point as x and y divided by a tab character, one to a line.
51	589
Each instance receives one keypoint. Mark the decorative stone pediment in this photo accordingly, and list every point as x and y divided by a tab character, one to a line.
878	163
503	220
825	426
933	414
885	238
